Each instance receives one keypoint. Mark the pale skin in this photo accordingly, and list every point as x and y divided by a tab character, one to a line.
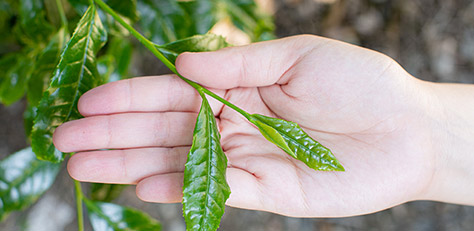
400	139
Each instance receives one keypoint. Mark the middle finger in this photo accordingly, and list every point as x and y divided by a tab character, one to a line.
128	130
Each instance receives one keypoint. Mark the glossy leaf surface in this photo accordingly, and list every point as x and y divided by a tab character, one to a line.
197	43
203	14
111	217
75	74
205	188
7	62
23	179
127	8
44	67
33	20
293	140
163	21
115	63
15	77
105	192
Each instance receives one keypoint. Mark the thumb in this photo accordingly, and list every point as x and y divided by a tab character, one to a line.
255	65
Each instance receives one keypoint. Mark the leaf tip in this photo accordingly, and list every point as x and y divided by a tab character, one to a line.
339	167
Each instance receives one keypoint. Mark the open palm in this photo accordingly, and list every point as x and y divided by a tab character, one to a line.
357	102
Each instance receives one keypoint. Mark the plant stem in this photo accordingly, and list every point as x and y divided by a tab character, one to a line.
62	15
152	47
79	198
213	95
147	43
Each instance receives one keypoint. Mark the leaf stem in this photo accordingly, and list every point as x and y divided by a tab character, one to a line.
79	199
201	89
62	15
152	47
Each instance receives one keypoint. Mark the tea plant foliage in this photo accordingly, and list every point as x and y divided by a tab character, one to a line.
110	217
23	179
205	188
75	74
42	60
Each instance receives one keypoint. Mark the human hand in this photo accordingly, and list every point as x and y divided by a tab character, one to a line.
358	103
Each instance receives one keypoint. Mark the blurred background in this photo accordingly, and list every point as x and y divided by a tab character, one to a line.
432	39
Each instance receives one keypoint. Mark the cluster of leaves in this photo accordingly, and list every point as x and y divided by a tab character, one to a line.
41	59
55	70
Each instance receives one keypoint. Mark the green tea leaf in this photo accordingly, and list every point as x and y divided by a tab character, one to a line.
80	6
7	62
44	67
106	192
75	74
293	140
205	188
112	217
197	43
274	136
164	21
204	14
15	76
114	65
33	20
8	42
23	179
127	8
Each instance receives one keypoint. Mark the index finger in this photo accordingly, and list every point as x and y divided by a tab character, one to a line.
143	94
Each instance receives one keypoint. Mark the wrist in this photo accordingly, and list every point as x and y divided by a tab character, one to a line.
452	131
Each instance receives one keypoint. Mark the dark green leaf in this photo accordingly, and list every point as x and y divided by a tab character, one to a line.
204	14
164	21
44	67
8	42
6	63
75	74
205	189
294	141
80	6
15	76
127	8
115	63
112	217
23	179
33	21
105	66
197	43
106	192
